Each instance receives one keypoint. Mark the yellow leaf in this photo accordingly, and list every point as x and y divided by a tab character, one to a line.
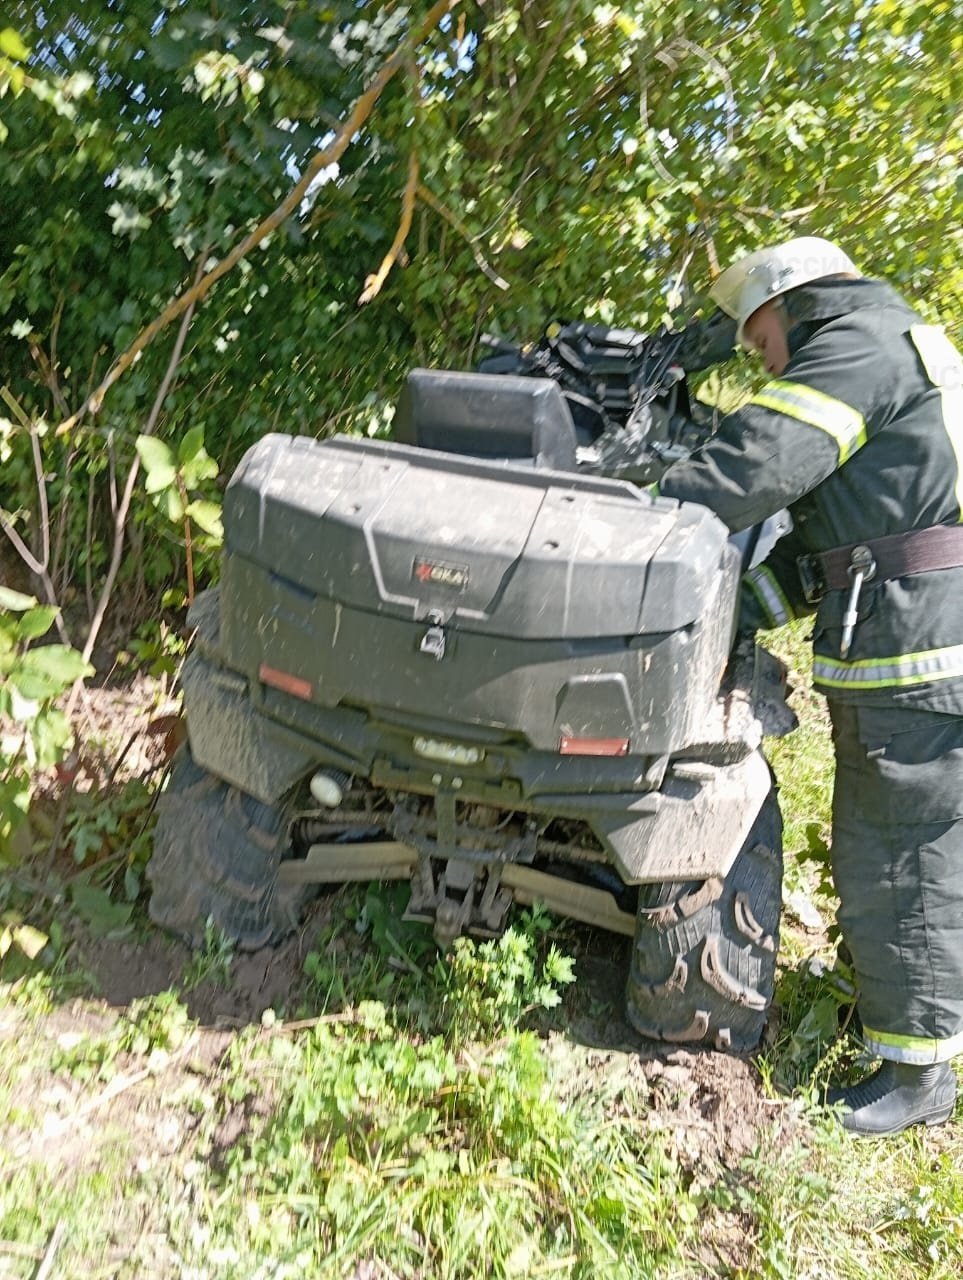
12	45
30	940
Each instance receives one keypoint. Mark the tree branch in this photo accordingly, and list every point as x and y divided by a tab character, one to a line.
373	283
446	213
909	178
327	156
40	568
512	133
120	516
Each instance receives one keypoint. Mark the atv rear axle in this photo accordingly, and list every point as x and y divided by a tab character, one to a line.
392	860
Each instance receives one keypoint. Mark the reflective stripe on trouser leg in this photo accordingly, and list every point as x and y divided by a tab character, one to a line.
898	866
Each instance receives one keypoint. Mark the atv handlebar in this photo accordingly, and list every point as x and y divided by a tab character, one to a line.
626	390
698	346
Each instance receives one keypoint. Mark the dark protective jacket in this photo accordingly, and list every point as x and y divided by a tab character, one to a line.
861	436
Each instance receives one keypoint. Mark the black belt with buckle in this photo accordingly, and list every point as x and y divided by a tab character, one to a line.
898	555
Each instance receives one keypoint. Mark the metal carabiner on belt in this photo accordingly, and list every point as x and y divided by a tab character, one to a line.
861	568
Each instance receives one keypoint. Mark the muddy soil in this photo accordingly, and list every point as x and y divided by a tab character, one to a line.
710	1105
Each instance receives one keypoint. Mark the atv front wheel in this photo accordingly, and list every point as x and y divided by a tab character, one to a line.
216	858
704	958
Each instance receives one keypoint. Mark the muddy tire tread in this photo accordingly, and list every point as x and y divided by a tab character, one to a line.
216	857
729	955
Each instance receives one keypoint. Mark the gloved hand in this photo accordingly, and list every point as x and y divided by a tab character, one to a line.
707	342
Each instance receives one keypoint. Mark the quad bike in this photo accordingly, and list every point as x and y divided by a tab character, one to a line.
478	659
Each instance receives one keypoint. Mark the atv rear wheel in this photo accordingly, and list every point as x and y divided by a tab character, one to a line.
216	858
704	958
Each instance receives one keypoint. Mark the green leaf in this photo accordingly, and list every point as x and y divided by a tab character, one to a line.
191	445
51	733
86	840
159	479
208	516
30	940
56	662
168	53
174	505
131	884
102	915
15	600
34	687
201	467
37	622
155	455
12	45
127	219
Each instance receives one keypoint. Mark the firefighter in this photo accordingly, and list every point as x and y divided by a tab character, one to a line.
859	433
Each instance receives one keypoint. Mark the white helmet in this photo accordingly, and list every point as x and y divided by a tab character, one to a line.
768	273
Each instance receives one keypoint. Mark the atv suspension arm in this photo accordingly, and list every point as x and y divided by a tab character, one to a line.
392	860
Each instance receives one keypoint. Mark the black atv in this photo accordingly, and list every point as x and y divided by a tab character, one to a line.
468	660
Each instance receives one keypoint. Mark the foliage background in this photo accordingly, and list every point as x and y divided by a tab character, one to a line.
573	159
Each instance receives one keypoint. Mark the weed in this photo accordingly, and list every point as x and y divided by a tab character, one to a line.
211	962
88	1057
159	649
34	973
155	1023
34	733
803	761
929	1217
475	991
421	1129
344	970
151	1027
101	824
445	1162
489	988
109	834
813	1003
776	1193
20	940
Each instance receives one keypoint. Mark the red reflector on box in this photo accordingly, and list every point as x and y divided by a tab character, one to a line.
593	747
294	685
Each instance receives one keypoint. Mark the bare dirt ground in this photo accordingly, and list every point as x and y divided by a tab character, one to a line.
710	1106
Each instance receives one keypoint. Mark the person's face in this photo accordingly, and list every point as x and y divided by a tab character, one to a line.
765	332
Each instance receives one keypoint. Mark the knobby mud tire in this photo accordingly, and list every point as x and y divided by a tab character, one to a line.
704	958
216	857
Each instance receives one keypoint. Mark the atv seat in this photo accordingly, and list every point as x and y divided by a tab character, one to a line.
509	418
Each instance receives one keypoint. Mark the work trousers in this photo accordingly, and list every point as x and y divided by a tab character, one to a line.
897	859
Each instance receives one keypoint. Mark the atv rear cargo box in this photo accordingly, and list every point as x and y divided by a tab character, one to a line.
544	604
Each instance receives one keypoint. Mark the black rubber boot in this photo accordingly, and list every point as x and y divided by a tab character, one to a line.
896	1096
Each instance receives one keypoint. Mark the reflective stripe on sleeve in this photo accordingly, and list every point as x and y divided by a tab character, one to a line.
838	419
887	673
917	1050
944	368
766	588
